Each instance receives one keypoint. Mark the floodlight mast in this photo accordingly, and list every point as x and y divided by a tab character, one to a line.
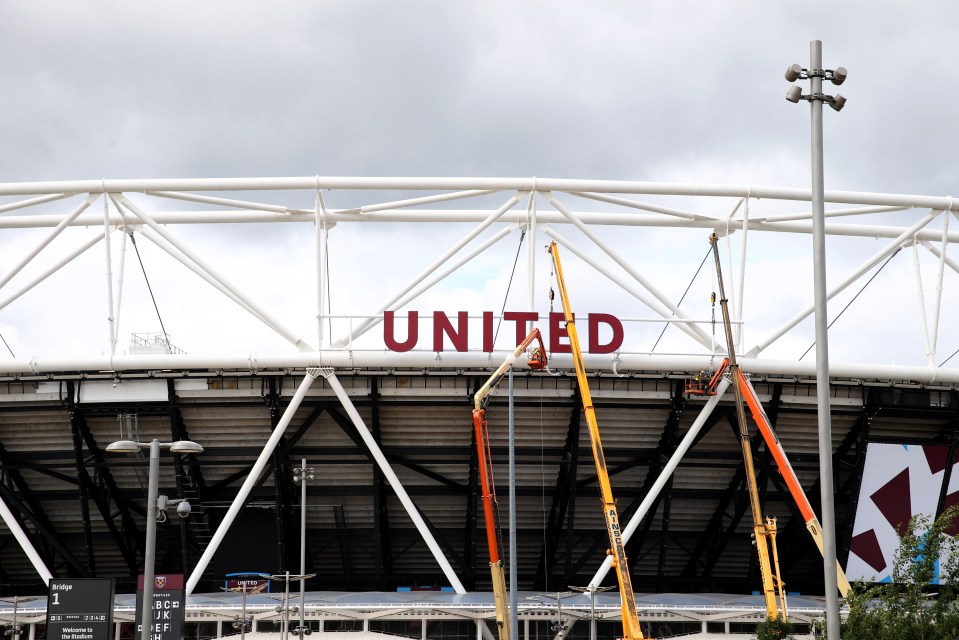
816	74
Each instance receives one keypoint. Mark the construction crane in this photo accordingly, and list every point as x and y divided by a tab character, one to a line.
631	625
764	530
696	386
775	448
536	359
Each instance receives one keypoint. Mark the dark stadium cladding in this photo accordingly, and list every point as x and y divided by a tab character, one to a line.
459	335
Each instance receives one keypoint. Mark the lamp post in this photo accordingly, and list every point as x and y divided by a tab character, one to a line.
154	511
816	74
591	590
301	475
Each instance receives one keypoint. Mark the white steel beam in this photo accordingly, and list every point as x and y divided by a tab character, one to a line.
298	342
462	184
675	311
46	241
251	479
687	327
869	264
24	541
53	269
368	324
394	481
29	202
426	360
663	477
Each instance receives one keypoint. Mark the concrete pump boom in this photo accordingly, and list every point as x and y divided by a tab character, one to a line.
631	625
536	360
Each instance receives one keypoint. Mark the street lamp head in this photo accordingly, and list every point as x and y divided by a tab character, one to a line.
123	446
185	446
839	76
838	102
793	72
794	94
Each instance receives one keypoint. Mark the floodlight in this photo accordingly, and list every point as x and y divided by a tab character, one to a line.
123	446
838	102
185	446
793	73
794	94
839	76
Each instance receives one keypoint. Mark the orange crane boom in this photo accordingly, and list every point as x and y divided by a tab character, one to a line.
631	625
536	360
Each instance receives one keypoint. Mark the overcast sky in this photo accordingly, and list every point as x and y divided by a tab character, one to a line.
667	92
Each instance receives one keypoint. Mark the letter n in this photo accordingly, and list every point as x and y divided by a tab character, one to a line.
442	324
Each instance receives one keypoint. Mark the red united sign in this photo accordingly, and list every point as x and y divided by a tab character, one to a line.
455	331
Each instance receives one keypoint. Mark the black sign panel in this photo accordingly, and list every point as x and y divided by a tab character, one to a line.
167	606
80	609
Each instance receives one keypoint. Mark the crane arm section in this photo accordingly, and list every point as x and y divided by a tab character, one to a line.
785	469
631	625
536	360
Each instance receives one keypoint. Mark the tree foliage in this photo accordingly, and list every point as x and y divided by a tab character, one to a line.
910	607
773	629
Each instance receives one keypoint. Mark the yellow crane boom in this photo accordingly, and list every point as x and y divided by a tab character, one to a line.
631	625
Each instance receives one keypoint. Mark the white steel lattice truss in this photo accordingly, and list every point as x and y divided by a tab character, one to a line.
645	239
357	249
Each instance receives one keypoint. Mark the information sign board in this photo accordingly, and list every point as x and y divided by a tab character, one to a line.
167	606
80	609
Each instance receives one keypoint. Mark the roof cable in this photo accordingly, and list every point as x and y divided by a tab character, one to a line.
509	286
11	350
166	336
829	326
684	297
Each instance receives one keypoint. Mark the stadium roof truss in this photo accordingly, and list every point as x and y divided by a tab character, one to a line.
593	220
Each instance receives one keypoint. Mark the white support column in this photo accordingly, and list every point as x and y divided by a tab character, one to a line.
369	323
942	265
119	301
675	311
866	266
25	543
251	480
663	477
531	252
322	276
109	266
922	303
742	277
387	470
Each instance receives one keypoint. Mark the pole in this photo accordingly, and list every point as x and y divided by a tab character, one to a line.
592	612
243	616
822	350
286	608
513	580
302	544
149	550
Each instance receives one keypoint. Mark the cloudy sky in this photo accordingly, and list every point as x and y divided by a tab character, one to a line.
665	92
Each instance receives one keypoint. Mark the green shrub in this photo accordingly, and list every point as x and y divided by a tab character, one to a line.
910	608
